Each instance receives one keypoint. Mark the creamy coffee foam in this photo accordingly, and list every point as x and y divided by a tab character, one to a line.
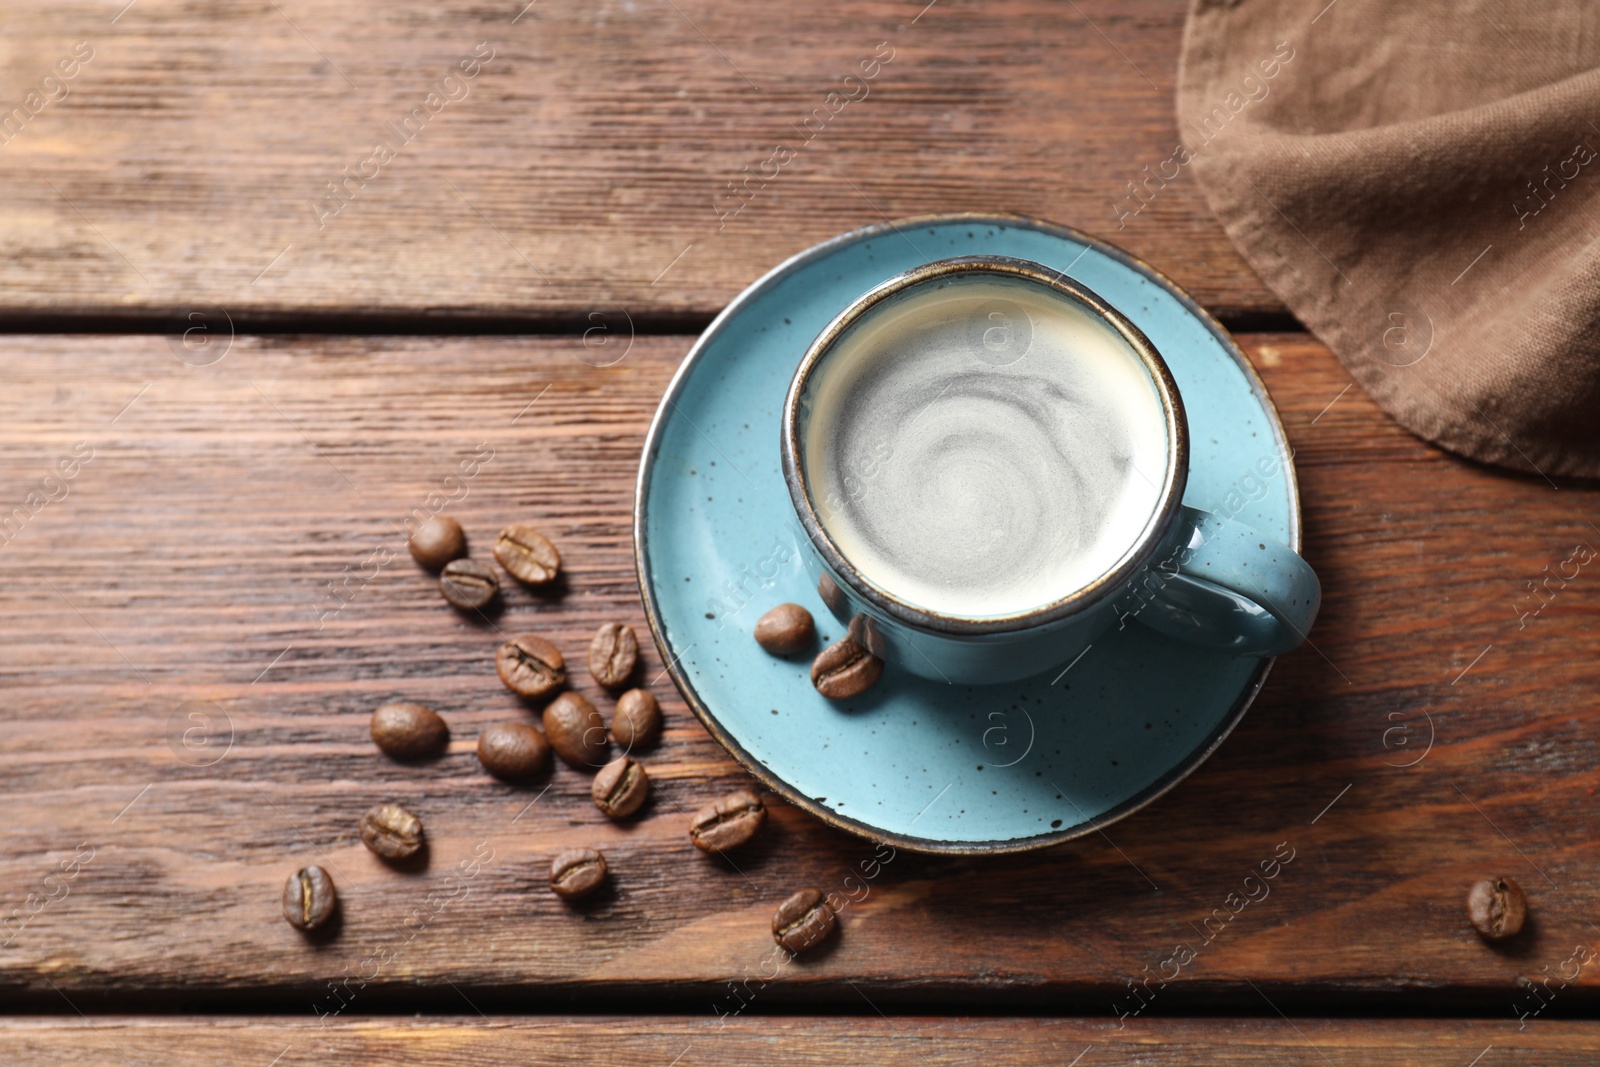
982	447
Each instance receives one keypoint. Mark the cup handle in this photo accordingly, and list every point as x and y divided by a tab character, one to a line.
1222	585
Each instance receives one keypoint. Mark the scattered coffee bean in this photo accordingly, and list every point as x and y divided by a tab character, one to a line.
409	731
845	669
391	831
637	721
613	654
1497	908
802	921
576	731
468	584
437	542
577	872
308	898
531	667
513	751
620	788
786	630
728	823
527	555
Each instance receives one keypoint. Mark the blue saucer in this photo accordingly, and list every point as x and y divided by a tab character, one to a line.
924	765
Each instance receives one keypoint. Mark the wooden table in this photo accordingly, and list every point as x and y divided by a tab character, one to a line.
255	376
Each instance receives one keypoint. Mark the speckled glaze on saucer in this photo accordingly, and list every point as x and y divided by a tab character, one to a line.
924	765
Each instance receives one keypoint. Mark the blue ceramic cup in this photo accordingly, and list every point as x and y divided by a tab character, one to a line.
987	465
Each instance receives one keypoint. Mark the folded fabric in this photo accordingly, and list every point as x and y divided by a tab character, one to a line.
1418	182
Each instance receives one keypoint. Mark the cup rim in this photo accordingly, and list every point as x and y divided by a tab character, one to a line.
1149	540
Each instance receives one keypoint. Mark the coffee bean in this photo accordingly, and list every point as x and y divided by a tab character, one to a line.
391	831
576	731
527	555
728	823
786	630
845	669
637	721
513	751
308	898
409	731
620	788
803	920
468	584
577	872
531	667
437	542
1497	908
613	654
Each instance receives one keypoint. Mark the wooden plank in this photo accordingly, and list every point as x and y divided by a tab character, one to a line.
229	154
476	1041
189	560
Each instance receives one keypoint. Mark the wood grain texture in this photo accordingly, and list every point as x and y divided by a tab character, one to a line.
189	560
476	1041
585	166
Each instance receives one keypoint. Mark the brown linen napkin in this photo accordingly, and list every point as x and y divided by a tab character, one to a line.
1418	181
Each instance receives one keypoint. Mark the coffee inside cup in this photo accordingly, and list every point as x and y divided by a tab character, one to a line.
983	445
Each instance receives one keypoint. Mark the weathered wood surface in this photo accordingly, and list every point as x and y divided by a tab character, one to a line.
189	560
475	1041
191	160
